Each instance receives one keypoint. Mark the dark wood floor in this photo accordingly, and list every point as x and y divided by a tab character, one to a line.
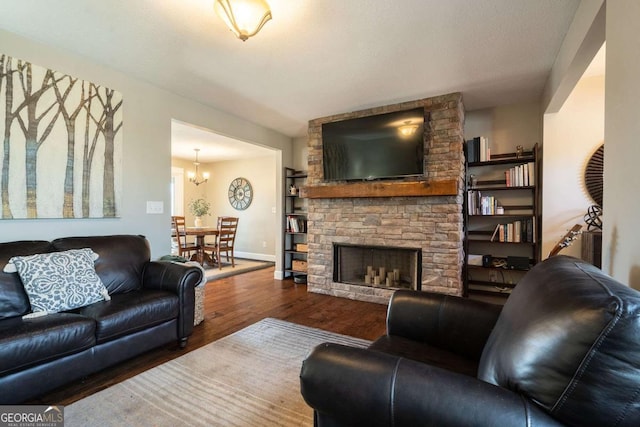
232	304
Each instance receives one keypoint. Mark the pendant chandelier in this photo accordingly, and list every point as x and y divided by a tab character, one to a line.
243	17
195	176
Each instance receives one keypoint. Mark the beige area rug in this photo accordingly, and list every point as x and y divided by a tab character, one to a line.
242	266
249	378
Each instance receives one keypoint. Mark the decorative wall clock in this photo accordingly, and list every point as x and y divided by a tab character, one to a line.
240	193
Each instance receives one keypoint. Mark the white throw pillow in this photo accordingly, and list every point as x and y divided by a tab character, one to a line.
60	281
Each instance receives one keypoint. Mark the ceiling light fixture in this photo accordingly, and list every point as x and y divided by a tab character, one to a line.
195	177
243	17
407	129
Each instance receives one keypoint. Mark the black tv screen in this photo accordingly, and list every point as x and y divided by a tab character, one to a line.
387	145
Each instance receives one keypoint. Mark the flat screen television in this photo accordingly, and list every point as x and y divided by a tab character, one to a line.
389	145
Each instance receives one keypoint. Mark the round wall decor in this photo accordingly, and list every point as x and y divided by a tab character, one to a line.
593	175
240	194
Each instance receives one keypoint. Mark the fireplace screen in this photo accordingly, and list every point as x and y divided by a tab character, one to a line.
377	266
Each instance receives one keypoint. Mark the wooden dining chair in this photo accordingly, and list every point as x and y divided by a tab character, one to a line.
227	227
185	248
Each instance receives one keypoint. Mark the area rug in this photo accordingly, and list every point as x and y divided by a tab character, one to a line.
249	378
242	266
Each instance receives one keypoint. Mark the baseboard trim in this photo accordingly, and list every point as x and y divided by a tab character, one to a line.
251	255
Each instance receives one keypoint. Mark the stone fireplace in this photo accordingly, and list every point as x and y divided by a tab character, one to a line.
422	214
377	266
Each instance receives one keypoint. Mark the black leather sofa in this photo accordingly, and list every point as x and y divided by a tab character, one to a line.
564	350
152	304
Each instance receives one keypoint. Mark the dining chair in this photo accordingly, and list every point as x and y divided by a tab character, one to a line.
227	227
180	231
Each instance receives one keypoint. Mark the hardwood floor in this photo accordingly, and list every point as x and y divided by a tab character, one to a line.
232	304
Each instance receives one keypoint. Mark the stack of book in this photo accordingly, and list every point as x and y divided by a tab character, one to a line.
478	149
515	232
296	224
520	175
481	205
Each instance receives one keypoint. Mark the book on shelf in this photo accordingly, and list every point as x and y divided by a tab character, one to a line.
509	236
517	231
472	151
483	149
532	173
478	149
496	233
296	224
477	204
520	231
522	175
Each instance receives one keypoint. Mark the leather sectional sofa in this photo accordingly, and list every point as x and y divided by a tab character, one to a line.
564	350
149	304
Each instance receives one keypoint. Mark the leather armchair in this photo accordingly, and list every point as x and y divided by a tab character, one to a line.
564	350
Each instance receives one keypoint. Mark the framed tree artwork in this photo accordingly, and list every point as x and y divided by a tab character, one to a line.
61	153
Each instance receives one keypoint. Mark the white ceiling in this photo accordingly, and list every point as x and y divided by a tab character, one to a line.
213	147
315	58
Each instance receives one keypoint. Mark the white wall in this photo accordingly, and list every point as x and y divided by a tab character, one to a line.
258	225
621	235
570	138
148	111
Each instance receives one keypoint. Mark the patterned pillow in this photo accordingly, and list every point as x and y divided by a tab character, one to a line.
60	281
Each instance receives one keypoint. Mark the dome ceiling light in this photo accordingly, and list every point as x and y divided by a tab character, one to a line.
243	17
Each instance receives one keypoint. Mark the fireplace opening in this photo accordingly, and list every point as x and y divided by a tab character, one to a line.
377	266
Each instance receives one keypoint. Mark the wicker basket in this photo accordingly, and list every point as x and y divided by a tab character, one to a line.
199	308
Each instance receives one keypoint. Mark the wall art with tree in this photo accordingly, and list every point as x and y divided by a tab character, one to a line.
61	152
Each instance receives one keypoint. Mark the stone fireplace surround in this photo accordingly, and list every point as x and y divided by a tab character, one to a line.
430	222
377	266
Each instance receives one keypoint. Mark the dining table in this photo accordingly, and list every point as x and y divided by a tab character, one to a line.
201	233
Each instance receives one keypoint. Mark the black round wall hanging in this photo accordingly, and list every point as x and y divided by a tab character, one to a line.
593	175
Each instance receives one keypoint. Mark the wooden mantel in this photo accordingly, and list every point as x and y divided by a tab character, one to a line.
381	189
